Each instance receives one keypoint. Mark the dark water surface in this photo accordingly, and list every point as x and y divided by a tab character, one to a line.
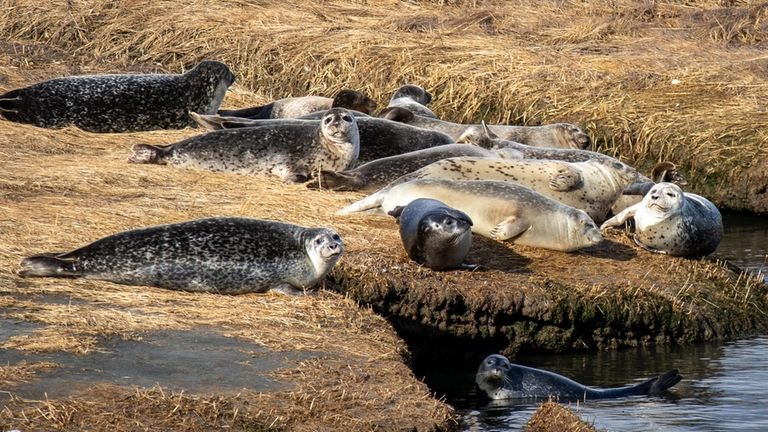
724	387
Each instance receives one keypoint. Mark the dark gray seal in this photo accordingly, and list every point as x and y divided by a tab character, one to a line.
217	255
379	138
293	150
414	99
120	103
672	222
500	379
556	135
378	173
295	107
433	234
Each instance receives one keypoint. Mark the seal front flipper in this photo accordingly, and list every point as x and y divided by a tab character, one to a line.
287	289
48	264
149	154
565	179
510	227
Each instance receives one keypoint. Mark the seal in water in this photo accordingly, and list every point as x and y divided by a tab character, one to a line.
217	255
556	135
672	222
414	99
499	210
295	107
378	173
293	150
379	138
120	103
592	186
500	379
434	234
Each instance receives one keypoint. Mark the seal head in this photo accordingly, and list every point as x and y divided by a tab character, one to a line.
324	247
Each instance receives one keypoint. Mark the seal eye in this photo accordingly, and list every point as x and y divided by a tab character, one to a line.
347	119
318	241
670	194
327	120
336	237
618	165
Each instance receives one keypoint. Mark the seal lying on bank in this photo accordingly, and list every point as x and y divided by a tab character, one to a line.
672	222
500	379
414	99
120	103
295	107
556	135
217	255
433	234
499	210
294	150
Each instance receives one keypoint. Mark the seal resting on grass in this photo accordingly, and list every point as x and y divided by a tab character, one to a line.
414	99
216	255
295	107
500	379
120	103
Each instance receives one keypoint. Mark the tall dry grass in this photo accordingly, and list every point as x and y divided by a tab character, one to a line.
651	80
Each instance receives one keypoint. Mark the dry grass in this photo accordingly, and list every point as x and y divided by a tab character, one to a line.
553	417
650	81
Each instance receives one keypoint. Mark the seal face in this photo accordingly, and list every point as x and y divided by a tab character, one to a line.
290	149
500	379
218	255
414	99
296	107
120	103
672	222
434	234
499	210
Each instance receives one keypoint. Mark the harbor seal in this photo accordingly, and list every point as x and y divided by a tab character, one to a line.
672	222
556	135
295	107
379	138
218	255
293	151
433	234
414	99
500	379
120	103
592	186
378	173
499	210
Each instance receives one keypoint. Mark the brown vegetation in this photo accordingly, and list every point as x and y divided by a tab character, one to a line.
553	417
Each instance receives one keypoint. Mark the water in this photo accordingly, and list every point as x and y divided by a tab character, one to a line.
724	387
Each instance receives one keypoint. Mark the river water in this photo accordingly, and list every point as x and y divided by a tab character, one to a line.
724	386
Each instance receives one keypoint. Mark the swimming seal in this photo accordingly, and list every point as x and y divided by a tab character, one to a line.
292	150
216	255
433	234
413	98
120	103
556	135
500	379
672	222
295	107
499	210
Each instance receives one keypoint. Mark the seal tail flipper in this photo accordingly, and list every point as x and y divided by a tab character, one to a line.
259	112
217	122
148	154
371	202
48	265
10	103
654	386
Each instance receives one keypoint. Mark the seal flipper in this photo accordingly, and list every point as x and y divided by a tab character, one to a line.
510	227
337	180
396	212
258	112
397	114
49	264
369	204
149	154
565	179
664	382
287	289
218	122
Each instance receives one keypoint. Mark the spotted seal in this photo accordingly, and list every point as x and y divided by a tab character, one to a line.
120	103
293	150
592	185
414	99
295	107
433	234
219	255
673	222
379	138
378	173
500	379
556	135
499	210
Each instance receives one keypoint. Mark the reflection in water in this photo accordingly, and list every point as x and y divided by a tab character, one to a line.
745	242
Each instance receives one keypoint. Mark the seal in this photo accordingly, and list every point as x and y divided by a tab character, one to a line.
293	150
500	379
120	103
433	234
379	138
216	255
378	173
499	210
556	135
634	193
414	99
295	107
592	186
672	222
